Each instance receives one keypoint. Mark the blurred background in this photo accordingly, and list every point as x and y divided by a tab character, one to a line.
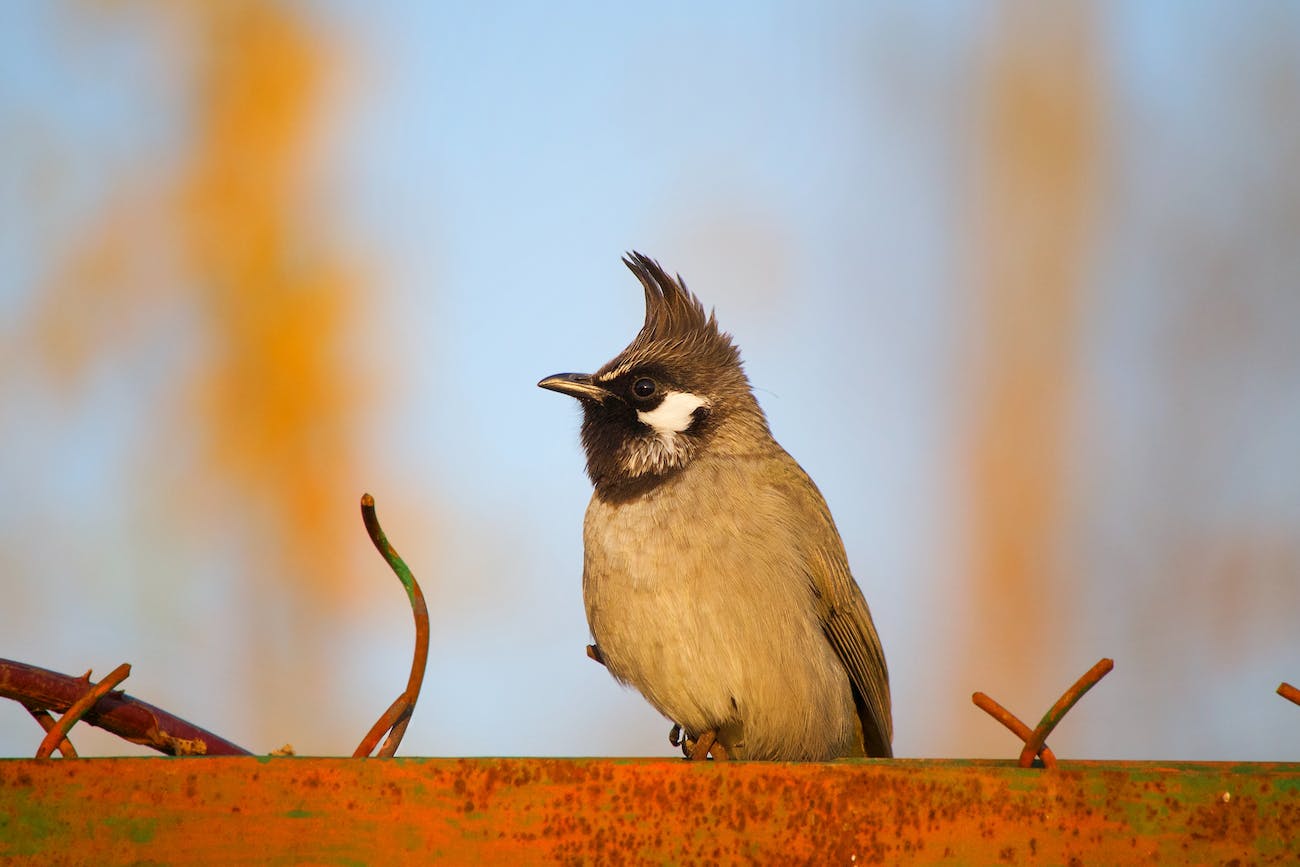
1015	282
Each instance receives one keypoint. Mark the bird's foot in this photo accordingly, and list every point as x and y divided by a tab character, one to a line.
593	653
701	748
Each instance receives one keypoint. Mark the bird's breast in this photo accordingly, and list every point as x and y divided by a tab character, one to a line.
697	594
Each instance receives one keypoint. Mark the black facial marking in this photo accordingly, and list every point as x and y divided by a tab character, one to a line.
679	349
644	387
610	428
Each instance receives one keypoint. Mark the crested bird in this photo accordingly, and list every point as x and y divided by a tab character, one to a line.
714	580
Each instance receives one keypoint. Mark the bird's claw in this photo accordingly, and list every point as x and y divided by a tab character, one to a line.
699	749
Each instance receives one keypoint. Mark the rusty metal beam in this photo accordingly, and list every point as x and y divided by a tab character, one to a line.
516	811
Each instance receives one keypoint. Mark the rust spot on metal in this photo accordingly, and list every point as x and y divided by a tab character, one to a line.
290	810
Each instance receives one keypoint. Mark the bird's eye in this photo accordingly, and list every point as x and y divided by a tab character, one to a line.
643	387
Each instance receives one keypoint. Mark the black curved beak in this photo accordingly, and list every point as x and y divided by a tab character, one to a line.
577	385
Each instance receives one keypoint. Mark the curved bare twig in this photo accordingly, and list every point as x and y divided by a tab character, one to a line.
398	716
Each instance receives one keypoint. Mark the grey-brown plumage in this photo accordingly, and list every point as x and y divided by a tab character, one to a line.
714	579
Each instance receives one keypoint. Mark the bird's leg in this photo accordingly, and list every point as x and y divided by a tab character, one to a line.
696	750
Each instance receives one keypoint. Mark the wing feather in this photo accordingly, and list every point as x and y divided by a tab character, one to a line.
846	619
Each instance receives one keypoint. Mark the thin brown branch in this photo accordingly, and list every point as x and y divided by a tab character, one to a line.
398	716
1288	692
59	731
1034	743
381	727
1013	723
47	722
40	689
394	739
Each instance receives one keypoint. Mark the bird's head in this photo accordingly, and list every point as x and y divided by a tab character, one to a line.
677	391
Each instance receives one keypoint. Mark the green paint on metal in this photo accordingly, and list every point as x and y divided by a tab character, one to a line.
137	830
398	566
299	814
25	832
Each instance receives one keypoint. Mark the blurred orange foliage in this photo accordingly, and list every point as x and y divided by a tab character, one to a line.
1031	219
274	388
264	389
200	269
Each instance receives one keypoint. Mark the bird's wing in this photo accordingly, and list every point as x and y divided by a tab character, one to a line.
846	620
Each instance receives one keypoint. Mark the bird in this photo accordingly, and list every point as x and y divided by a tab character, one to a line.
714	579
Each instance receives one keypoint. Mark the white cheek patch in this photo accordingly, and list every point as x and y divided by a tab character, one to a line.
674	414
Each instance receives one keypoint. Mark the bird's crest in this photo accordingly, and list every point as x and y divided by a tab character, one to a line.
675	321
